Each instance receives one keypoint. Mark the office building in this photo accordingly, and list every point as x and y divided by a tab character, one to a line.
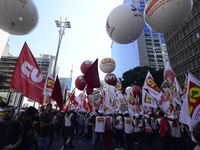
148	50
183	46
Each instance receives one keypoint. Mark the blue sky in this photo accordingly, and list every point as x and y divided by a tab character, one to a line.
86	40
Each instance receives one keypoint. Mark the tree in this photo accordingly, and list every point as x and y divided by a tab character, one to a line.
137	76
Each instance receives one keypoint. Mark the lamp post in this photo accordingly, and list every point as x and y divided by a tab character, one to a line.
62	26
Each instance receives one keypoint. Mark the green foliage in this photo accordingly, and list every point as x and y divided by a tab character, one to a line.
137	76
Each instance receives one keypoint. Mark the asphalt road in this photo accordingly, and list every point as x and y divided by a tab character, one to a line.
82	143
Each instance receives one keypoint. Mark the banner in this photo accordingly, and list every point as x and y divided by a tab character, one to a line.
148	100
190	111
151	86
27	77
49	85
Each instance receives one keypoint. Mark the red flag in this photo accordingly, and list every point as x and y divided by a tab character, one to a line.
57	93
92	77
27	77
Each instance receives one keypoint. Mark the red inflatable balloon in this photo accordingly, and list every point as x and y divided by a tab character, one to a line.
85	66
110	79
136	90
80	82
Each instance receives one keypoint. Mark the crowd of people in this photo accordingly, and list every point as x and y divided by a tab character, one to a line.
31	129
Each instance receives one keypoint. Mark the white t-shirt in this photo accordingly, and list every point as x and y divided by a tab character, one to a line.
68	120
100	124
128	126
137	127
175	130
120	124
147	124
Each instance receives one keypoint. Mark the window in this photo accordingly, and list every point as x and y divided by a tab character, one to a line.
189	28
157	45
153	66
161	66
196	49
150	56
151	60
159	56
185	31
197	35
188	53
149	49
148	44
156	41
192	51
195	63
188	40
193	25
155	35
191	65
148	40
192	38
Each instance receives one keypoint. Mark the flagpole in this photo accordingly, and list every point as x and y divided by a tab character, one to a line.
63	26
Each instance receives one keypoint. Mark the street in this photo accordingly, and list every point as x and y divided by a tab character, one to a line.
82	143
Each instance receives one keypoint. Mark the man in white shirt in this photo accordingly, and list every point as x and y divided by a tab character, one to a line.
119	131
100	122
128	129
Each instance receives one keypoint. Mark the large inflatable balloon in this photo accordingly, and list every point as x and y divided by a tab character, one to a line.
127	89
110	79
107	65
167	15
125	23
18	17
85	66
80	82
136	90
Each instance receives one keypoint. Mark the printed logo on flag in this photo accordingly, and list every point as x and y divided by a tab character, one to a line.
151	83
132	99
194	101
147	99
50	83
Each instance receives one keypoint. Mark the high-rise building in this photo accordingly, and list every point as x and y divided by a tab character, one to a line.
148	50
183	46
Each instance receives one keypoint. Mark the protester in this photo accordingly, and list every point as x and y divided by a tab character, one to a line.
2	105
128	129
10	130
99	129
119	131
59	122
138	125
27	126
69	128
196	134
81	120
164	131
46	123
108	130
175	133
148	130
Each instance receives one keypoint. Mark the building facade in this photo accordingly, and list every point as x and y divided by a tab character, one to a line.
183	46
149	49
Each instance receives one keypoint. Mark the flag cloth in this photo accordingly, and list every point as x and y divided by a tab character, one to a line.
49	85
167	85
185	88
57	94
151	86
190	111
27	77
148	100
119	86
92	77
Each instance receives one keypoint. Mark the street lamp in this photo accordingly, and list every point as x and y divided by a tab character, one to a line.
62	26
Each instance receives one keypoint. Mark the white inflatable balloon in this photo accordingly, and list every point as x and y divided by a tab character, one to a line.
107	65
167	15
125	23
18	17
127	89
